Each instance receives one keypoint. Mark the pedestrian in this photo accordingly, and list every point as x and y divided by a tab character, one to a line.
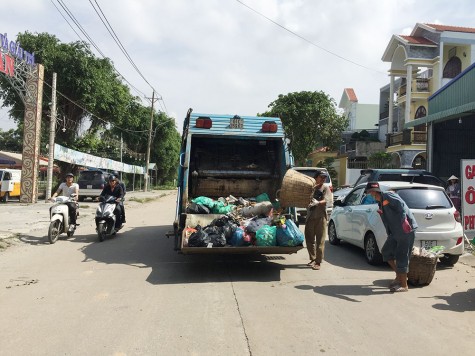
400	225
453	191
316	221
66	189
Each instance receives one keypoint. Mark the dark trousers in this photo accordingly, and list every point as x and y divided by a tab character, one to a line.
72	207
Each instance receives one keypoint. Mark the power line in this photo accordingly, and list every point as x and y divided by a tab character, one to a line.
95	46
308	41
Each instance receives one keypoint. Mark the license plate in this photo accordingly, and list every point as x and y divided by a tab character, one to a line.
89	186
428	244
236	123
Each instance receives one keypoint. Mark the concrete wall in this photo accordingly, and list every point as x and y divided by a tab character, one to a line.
367	116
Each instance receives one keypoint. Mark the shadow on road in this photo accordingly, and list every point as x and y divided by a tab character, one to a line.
457	302
348	292
148	247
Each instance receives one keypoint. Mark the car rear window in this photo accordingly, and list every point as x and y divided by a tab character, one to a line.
425	198
424	179
91	176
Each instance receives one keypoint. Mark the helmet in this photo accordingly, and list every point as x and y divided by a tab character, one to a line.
70	175
112	177
115	173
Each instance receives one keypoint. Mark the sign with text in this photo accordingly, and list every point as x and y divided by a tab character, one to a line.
467	173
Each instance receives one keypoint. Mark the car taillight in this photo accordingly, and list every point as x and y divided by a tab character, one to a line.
457	216
459	240
269	126
204	123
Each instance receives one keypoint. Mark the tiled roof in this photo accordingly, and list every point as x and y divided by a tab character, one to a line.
351	94
417	40
451	28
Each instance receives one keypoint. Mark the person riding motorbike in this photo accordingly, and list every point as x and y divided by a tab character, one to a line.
115	190
125	192
67	188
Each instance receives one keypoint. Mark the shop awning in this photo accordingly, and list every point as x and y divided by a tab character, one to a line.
458	111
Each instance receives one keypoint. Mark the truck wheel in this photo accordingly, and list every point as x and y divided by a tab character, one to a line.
54	231
373	256
101	232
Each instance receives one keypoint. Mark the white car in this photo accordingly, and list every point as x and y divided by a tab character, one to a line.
360	224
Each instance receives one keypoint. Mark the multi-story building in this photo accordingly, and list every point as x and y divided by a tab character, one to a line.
421	63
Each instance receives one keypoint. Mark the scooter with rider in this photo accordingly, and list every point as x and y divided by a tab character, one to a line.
109	216
64	213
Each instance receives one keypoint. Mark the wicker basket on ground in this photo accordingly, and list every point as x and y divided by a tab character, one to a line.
421	270
297	189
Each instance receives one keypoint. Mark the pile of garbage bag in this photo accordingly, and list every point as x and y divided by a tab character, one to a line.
243	222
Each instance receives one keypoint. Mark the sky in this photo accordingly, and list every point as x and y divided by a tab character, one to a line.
237	56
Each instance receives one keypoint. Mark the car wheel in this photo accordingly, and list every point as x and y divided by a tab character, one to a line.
332	236
372	254
449	260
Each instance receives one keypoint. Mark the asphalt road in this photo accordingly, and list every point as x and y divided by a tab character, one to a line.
134	295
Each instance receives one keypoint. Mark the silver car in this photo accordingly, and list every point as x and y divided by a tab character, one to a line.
360	224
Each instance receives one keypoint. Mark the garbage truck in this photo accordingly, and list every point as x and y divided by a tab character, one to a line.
229	156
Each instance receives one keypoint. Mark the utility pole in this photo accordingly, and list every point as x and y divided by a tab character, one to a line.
121	149
148	146
52	128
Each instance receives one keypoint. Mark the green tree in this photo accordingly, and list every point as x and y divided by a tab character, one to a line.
310	120
95	108
10	140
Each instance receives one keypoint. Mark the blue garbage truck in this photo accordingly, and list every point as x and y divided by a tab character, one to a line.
229	155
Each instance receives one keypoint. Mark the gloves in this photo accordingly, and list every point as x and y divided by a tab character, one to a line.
406	227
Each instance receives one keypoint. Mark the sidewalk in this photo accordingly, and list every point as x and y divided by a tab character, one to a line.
17	218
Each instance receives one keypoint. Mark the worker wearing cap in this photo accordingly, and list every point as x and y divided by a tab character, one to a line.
66	189
316	222
400	225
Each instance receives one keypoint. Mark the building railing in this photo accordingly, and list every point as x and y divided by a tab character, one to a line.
406	137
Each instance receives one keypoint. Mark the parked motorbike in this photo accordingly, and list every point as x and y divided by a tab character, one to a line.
59	216
105	217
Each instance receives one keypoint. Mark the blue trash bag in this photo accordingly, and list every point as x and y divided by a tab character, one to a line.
237	239
290	235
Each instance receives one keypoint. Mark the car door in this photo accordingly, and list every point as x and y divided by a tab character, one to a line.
364	217
344	223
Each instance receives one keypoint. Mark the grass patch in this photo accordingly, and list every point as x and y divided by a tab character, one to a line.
143	200
8	241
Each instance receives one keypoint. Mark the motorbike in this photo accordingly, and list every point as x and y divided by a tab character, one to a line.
59	216
105	217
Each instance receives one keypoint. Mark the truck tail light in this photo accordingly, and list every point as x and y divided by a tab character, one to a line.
204	123
269	126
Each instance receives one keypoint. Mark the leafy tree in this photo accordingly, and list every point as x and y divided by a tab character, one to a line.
310	120
10	140
85	85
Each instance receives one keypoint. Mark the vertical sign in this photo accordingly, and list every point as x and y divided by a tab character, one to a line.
467	173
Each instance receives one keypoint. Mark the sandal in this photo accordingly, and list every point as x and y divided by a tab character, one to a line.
316	266
398	288
393	284
311	263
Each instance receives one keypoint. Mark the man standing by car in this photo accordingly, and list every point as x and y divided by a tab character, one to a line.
67	188
400	225
316	222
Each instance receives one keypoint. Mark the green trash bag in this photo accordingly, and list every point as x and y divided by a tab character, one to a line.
220	208
262	197
265	236
208	202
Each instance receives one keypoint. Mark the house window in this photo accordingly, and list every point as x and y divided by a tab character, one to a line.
420	112
453	67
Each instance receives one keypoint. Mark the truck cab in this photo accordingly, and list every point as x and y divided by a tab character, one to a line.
222	155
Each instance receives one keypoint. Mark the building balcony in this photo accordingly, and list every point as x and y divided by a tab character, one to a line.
420	89
406	137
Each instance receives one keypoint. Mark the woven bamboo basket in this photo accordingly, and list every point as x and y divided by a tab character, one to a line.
421	270
297	189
